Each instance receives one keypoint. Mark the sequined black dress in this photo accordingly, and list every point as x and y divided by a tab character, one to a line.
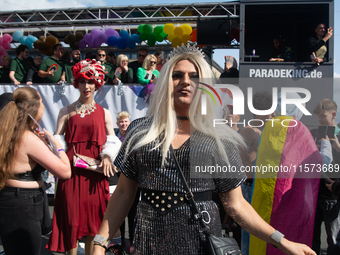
175	232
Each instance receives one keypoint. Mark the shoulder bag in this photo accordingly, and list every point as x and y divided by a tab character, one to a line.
215	245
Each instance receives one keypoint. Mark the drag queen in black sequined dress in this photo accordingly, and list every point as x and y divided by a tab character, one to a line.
164	220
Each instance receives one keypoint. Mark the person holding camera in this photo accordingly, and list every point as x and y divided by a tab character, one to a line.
317	44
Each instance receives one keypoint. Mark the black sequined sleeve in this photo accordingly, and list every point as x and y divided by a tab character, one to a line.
233	177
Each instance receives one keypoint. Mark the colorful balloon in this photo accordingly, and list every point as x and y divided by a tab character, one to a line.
170	37
103	38
178	32
169	28
164	34
22	39
158	30
121	44
79	36
185	38
112	41
71	38
151	39
7	45
143	36
96	32
130	41
7	38
87	38
82	44
51	40
31	39
141	28
194	35
176	42
90	44
136	37
147	29
124	34
16	35
97	42
111	32
187	29
159	38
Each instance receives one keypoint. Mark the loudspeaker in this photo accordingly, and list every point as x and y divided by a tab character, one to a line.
214	32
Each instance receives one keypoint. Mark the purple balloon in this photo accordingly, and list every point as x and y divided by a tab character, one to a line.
87	38
82	44
90	44
96	32
103	38
97	42
110	32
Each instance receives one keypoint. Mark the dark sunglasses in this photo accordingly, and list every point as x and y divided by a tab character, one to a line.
142	56
101	55
153	62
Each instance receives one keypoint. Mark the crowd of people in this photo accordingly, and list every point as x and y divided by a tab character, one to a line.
106	174
57	68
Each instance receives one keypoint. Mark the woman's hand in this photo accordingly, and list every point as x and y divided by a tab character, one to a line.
42	136
292	248
29	83
115	80
107	166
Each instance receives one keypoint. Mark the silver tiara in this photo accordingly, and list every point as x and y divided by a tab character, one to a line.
190	48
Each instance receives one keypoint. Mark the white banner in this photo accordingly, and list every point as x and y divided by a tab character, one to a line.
132	101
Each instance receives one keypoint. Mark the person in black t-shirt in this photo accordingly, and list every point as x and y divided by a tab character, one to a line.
142	53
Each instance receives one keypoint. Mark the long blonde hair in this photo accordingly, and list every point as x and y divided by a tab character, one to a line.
146	61
162	114
14	121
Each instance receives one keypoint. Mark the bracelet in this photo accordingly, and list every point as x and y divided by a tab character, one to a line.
61	150
95	243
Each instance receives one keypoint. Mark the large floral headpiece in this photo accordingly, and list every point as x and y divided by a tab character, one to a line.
90	70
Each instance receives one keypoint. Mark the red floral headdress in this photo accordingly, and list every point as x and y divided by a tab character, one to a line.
90	70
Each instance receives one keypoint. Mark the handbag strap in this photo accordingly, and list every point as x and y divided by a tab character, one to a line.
188	194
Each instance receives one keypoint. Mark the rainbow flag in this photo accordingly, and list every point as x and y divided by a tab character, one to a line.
286	200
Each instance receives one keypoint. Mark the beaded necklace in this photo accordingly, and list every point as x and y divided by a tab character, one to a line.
83	109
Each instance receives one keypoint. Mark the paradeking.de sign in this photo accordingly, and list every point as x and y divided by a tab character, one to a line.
284	73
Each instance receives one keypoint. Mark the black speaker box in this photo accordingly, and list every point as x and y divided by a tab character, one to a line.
214	32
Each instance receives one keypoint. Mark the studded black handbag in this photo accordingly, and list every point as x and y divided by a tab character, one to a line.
214	245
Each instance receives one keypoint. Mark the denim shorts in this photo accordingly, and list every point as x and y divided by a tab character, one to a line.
21	213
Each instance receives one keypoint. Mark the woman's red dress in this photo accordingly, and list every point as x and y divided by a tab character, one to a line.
81	201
